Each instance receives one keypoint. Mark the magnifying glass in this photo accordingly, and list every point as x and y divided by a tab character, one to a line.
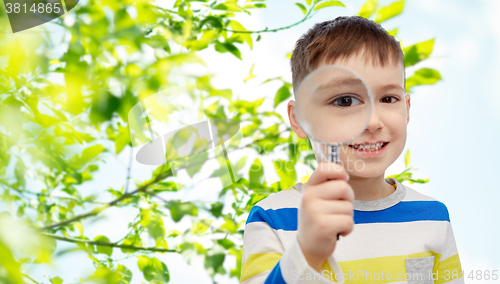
333	106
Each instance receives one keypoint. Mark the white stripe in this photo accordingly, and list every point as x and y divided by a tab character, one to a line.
413	195
283	199
260	238
296	270
391	239
259	278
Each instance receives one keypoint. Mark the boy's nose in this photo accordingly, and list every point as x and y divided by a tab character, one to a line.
375	122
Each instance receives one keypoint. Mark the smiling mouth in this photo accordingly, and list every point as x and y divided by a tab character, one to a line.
369	146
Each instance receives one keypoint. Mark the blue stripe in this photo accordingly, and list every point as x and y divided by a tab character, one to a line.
405	211
284	218
275	276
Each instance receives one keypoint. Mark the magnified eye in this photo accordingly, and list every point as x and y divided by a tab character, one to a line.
346	101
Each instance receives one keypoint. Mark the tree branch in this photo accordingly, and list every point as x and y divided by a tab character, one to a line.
106	244
267	30
110	204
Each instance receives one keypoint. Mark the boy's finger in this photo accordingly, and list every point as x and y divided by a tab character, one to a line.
334	190
328	171
330	207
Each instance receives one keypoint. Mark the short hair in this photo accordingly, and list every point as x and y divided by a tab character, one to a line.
339	39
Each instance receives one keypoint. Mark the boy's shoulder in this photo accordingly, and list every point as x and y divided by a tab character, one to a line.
413	195
430	203
286	198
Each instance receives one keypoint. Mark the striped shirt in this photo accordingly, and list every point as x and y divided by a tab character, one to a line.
405	237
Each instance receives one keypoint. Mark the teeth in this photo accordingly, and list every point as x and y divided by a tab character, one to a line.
369	147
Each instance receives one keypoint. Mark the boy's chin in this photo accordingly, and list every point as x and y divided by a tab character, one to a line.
367	172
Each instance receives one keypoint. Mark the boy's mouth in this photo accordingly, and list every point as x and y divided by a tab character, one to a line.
369	146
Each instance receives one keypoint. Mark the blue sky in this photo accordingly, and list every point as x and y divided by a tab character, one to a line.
452	132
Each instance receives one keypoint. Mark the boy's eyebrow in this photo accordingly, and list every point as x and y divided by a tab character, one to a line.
339	81
392	86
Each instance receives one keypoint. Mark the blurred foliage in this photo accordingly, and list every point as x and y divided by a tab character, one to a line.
61	118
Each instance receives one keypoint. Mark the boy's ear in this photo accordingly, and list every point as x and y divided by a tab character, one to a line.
293	121
407	99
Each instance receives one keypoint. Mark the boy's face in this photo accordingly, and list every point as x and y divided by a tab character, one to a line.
388	122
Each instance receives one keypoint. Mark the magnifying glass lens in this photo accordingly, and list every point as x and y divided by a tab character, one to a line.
333	105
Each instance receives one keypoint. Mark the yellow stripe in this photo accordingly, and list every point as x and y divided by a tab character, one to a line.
326	266
258	263
442	270
449	269
377	266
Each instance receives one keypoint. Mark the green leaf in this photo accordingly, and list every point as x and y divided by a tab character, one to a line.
250	75
407	158
226	243
103	249
199	228
178	210
125	273
165	186
19	172
286	172
215	22
418	52
229	226
329	4
233	7
79	227
122	139
216	208
393	32
308	2
302	7
173	233
90	153
256	173
368	8
142	262
56	280
213	262
423	76
153	269
232	49
236	26
389	11
241	163
418	180
132	240
282	94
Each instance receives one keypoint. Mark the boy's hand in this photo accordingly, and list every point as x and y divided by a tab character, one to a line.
325	210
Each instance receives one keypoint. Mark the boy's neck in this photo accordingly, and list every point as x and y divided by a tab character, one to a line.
370	188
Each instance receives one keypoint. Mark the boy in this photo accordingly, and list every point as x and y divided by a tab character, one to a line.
390	232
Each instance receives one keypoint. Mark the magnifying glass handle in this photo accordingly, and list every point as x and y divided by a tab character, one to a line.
334	157
334	154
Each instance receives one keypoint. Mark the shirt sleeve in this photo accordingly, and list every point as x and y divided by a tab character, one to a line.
448	267
266	260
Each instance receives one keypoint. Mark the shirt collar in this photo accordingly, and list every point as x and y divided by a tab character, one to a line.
377	204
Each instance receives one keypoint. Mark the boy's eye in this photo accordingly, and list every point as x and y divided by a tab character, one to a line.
389	99
346	101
